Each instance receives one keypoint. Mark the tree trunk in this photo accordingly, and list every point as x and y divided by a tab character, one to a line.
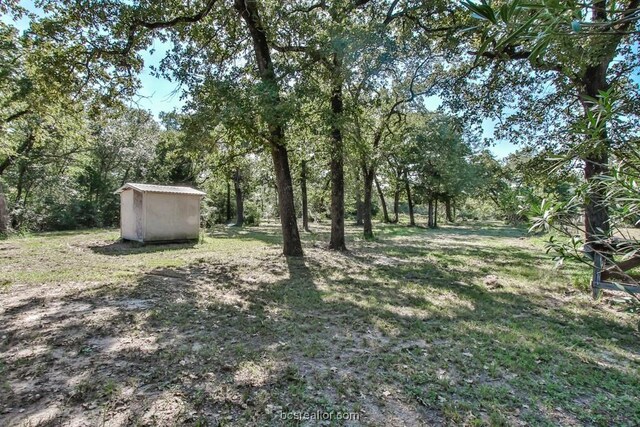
366	207
248	11
359	210
596	212
383	203
396	204
435	213
237	181
288	220
303	190
16	220
359	206
448	210
412	221
24	148
337	241
4	213
229	216
276	201
430	222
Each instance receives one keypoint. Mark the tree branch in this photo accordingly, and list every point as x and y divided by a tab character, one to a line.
154	25
15	116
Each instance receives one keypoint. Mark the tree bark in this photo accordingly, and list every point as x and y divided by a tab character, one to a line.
16	220
366	207
248	11
596	212
288	220
337	241
237	185
229	216
303	190
435	213
430	222
412	221
276	201
383	203
359	204
4	212
396	204
448	210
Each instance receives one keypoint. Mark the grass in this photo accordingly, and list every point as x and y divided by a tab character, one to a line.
464	325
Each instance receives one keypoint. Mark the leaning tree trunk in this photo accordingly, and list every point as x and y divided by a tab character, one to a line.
383	203
237	185
366	206
412	221
303	190
290	235
337	241
248	11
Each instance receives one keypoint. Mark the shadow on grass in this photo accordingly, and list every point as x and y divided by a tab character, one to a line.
128	247
400	343
460	230
69	233
270	234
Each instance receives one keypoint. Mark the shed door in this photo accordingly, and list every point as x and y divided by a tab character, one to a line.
137	208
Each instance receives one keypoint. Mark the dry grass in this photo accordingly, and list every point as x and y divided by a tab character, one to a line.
462	325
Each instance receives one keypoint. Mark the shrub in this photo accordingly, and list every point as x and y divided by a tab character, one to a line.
252	214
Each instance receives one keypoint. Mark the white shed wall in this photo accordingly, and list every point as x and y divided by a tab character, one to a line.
171	216
127	216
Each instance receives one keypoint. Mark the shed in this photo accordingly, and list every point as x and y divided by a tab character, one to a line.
159	213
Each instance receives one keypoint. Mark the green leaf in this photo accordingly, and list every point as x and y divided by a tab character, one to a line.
484	46
481	11
507	11
539	49
522	29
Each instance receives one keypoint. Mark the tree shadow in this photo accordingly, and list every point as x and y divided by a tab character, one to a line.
270	235
458	230
374	333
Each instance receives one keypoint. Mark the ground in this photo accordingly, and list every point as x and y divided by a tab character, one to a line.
465	325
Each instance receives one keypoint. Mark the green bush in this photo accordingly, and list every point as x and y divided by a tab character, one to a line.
252	214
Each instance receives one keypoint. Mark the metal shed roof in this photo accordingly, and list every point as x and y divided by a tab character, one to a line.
151	188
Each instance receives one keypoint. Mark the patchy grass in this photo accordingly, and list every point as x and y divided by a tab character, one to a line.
462	325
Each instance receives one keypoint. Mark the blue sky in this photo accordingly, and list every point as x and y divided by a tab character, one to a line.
159	95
